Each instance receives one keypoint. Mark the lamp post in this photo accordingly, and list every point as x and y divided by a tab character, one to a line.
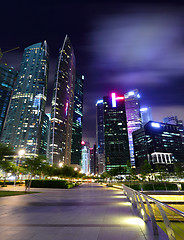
21	153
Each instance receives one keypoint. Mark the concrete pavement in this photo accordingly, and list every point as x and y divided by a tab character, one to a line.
87	212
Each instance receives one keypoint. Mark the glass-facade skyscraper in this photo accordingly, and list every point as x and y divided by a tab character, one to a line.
45	135
115	132
133	116
159	143
100	136
146	115
76	151
62	105
7	79
25	117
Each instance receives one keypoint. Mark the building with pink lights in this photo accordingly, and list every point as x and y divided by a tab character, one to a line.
115	132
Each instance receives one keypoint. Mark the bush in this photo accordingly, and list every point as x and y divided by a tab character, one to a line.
50	184
171	186
10	182
147	187
159	186
136	187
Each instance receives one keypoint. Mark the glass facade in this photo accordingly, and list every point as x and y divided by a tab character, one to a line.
27	108
115	132
77	121
45	136
7	79
85	158
100	168
155	137
133	116
146	115
62	105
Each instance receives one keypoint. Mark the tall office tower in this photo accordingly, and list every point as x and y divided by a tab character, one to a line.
100	136
25	117
93	160
85	157
45	136
62	105
7	79
159	143
174	120
76	152
133	115
146	115
115	132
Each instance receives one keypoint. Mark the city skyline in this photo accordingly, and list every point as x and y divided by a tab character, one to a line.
146	42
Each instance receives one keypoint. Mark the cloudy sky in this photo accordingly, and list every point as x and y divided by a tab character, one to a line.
118	47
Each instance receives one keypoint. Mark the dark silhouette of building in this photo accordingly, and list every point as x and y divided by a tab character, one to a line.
7	79
76	152
100	136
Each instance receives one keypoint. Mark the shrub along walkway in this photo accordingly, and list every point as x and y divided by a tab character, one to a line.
87	212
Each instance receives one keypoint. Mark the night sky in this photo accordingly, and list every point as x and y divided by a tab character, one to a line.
119	46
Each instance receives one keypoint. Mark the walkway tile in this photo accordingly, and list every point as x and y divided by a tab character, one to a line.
88	212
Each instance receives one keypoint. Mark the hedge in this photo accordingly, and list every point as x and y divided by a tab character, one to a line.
10	183
154	186
50	184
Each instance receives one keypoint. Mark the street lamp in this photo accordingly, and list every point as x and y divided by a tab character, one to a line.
60	164
21	153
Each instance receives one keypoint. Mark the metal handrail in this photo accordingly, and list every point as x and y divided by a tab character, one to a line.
144	199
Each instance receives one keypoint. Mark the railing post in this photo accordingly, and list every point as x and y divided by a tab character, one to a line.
167	223
144	214
152	216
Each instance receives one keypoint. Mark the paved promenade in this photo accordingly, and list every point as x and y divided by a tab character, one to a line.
88	212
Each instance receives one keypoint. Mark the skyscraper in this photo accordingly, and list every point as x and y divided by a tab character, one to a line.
45	135
133	116
159	143
115	132
76	152
146	115
7	79
174	120
85	157
26	112
62	105
100	137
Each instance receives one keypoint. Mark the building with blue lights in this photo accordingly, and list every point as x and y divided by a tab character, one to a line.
63	105
146	115
7	79
159	143
76	150
133	116
100	168
174	120
115	132
26	113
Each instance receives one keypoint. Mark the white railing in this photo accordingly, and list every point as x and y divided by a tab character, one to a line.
166	217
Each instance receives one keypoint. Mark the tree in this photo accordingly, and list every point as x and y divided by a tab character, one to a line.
6	158
179	169
67	171
34	166
145	169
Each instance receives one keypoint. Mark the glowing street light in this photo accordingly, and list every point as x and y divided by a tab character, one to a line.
60	164
21	152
